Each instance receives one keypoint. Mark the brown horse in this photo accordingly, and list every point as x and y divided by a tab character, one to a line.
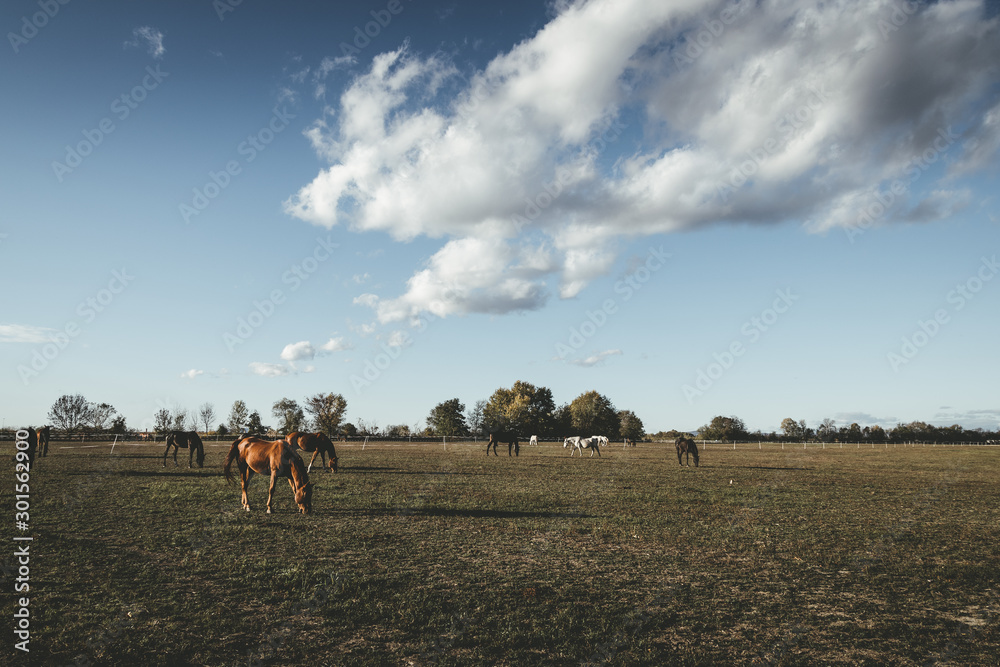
686	447
27	444
185	440
503	436
43	440
275	458
317	443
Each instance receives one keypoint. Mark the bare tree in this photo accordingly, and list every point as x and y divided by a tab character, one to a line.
207	415
161	420
179	416
98	415
69	413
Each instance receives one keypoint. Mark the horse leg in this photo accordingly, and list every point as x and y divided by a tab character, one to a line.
311	461
270	491
165	452
191	456
245	479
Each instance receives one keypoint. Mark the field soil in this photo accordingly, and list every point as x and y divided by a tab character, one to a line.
432	554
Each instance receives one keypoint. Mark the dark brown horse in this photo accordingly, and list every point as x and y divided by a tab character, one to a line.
43	440
25	447
503	436
686	447
317	443
185	440
275	458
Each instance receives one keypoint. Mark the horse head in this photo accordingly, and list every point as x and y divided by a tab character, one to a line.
303	498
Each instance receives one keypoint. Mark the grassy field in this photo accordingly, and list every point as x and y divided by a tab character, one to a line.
417	555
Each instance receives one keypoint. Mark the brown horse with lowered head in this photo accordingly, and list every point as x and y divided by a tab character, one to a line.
185	440
43	440
275	458
498	437
686	447
317	443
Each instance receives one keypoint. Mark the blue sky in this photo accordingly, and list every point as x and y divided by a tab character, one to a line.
769	210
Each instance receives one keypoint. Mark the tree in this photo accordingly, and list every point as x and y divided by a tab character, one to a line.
118	425
69	413
290	416
446	419
161	420
397	431
327	411
474	417
523	408
827	430
724	428
630	426
207	415
222	431
791	428
238	417
179	417
350	430
98	415
254	427
594	414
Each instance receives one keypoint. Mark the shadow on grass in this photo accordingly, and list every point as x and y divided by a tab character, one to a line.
474	513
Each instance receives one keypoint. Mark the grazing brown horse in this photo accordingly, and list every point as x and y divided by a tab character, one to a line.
317	443
686	447
43	440
503	436
275	458
185	440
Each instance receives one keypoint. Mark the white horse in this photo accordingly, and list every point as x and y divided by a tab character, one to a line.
585	443
602	440
533	440
571	441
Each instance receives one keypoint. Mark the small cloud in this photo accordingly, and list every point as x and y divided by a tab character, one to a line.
297	351
192	374
151	37
23	333
338	344
594	359
361	278
269	370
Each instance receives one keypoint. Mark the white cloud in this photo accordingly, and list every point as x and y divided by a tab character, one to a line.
269	370
625	118
296	351
151	38
595	358
23	333
337	344
192	374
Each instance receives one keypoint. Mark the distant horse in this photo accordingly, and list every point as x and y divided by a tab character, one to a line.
592	443
533	440
629	442
275	458
318	444
503	436
686	447
185	440
30	448
43	440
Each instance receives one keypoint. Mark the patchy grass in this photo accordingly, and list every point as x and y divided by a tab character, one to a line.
416	555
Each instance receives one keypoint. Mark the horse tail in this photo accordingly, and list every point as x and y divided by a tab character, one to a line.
234	452
196	442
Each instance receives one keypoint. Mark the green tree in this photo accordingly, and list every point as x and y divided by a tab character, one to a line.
161	421
474	417
118	425
238	415
254	427
290	416
827	430
594	414
630	426
791	428
222	431
98	415
446	419
724	428
327	411
523	408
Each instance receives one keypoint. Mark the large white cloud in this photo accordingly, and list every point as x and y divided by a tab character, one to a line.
628	118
